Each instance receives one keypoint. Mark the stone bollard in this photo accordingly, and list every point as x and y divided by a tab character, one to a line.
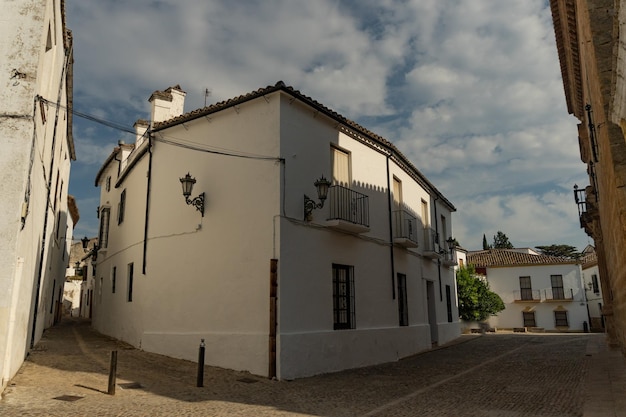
200	379
112	373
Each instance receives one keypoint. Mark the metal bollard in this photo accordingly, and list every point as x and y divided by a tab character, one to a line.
200	379
112	373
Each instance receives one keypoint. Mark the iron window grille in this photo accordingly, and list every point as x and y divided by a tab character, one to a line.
403	311
560	319
449	302
343	297
131	267
529	319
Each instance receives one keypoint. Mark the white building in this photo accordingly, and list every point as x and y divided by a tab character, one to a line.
363	277
539	291
593	288
37	147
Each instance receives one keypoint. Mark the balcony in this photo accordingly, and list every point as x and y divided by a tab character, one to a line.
348	210
404	229
586	200
431	244
558	294
449	259
527	295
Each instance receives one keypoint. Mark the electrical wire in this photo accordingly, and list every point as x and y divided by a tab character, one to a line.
95	119
165	138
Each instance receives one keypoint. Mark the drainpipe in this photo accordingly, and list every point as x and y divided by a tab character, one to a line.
437	236
393	266
147	215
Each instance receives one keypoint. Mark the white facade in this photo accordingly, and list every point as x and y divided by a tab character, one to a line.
181	277
37	146
593	288
539	292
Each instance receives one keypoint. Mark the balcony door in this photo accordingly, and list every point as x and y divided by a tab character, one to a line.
558	292
341	167
397	207
526	290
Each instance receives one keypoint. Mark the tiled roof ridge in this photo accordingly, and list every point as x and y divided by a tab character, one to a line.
280	85
505	257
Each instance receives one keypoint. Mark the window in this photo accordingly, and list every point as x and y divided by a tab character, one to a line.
560	319
444	232
120	207
113	279
343	297
425	216
54	283
449	302
403	310
461	263
108	184
56	189
103	236
341	167
526	290
558	293
397	194
130	281
594	282
49	39
529	319
42	111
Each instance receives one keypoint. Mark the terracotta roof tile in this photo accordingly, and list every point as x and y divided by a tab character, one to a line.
504	257
349	124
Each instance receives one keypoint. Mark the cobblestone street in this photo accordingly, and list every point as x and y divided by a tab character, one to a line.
479	375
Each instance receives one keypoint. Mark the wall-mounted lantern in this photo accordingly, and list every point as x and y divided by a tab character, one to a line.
85	242
322	185
451	242
187	182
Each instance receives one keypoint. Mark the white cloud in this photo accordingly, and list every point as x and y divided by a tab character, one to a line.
528	220
470	91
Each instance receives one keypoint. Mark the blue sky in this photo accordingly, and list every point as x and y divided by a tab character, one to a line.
469	91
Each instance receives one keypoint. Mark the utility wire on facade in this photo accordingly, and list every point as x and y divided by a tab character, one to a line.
162	138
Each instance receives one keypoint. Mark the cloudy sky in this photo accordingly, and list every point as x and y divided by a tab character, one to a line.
469	90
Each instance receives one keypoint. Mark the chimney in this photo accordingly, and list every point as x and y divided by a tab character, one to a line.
167	104
140	126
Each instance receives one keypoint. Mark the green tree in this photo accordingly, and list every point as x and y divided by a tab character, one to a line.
561	251
485	244
476	301
501	241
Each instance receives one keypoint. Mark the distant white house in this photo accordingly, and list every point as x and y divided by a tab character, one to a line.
36	214
539	292
80	279
593	288
308	244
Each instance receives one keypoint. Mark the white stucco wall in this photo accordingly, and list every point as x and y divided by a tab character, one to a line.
594	299
505	282
29	146
208	277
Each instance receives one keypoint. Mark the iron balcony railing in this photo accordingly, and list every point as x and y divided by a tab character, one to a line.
431	240
405	225
558	294
527	294
348	205
449	257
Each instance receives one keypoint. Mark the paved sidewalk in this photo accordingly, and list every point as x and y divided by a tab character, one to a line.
479	375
